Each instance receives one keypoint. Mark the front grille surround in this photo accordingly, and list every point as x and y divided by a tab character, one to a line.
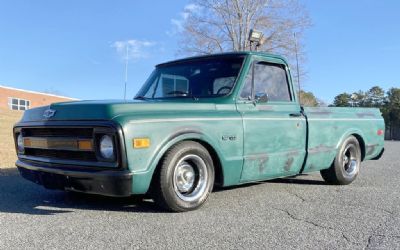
68	157
82	132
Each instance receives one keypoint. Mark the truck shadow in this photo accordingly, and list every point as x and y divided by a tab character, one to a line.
18	195
287	180
294	180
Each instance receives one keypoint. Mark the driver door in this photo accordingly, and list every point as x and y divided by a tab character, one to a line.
274	129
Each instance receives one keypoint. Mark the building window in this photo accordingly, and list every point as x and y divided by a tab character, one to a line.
18	104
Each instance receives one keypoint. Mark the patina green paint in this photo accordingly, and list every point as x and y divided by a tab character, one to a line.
253	141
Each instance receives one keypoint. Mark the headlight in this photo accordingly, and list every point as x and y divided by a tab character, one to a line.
20	143
107	147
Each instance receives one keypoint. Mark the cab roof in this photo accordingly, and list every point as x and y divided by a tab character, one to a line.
226	54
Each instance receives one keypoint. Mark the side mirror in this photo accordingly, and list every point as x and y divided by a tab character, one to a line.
261	97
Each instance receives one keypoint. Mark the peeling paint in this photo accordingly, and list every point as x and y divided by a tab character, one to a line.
263	107
321	112
288	164
365	114
256	157
320	148
262	164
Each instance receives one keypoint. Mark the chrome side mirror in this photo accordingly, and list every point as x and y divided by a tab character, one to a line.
261	97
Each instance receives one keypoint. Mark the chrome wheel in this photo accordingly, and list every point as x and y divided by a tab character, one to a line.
185	177
350	160
346	166
190	178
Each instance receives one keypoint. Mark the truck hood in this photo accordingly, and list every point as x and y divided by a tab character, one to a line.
108	109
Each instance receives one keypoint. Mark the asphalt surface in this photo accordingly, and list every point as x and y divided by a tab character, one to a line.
294	213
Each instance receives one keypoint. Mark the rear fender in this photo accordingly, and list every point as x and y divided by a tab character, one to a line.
348	133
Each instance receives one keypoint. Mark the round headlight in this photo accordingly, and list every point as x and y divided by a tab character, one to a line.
107	147
20	143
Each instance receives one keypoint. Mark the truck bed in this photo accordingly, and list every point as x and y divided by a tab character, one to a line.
329	126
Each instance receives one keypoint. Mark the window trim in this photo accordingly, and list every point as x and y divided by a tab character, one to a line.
18	105
288	81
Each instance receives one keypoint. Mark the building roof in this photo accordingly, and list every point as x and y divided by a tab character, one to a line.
36	92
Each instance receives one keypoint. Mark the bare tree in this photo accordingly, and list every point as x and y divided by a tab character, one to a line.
213	26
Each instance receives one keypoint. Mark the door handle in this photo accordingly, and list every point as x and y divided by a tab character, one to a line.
295	114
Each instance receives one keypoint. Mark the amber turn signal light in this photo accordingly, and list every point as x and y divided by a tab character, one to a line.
141	143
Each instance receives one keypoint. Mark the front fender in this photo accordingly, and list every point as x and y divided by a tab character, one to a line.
142	179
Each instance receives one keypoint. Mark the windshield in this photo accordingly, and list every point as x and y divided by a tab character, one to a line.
198	78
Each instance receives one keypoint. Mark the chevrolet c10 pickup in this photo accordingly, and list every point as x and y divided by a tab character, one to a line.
199	122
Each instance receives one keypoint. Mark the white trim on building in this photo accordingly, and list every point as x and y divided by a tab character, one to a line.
35	92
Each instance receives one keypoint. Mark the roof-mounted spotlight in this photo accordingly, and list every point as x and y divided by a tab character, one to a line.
256	38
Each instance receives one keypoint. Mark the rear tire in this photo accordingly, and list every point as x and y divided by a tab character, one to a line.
185	178
346	165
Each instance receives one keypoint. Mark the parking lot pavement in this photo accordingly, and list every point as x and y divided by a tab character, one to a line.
301	212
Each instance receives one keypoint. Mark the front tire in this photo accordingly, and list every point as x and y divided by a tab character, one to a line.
185	178
346	166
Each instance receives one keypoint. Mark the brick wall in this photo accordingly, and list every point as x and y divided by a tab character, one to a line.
36	99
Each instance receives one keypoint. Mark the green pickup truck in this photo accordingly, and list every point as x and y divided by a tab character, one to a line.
196	123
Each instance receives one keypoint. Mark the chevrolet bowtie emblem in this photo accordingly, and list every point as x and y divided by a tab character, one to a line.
48	113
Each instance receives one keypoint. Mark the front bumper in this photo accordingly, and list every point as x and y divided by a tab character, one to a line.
103	182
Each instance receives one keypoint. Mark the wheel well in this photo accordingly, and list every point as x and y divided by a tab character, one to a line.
362	145
219	178
219	175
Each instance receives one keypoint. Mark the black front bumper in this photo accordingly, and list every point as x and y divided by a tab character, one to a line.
103	182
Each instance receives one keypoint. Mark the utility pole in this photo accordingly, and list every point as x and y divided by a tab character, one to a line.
126	69
297	64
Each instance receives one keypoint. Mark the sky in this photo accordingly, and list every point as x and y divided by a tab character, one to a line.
77	48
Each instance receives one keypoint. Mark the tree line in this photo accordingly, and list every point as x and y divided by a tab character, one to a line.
376	97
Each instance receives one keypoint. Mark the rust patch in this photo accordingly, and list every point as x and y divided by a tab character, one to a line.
321	112
256	157
365	114
320	148
258	161
293	153
288	164
262	164
261	107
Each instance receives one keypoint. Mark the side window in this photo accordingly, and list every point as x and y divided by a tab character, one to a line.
246	91
269	79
